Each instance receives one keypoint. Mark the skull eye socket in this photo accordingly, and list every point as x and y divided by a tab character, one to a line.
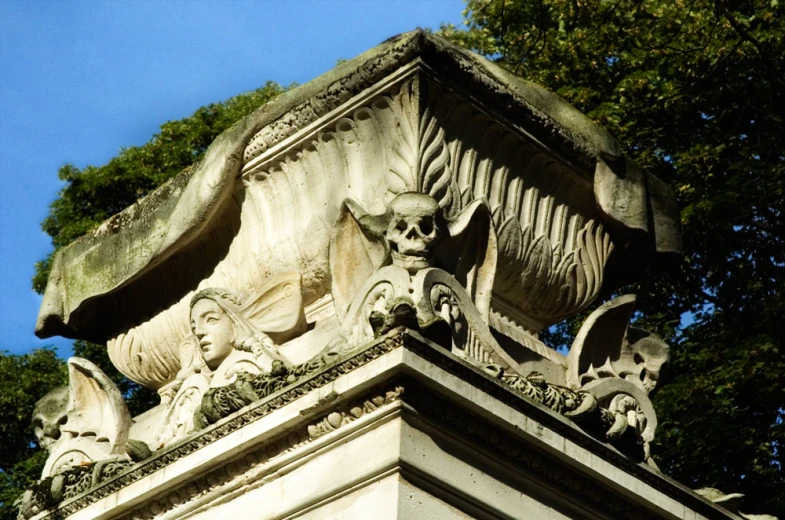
401	225
426	226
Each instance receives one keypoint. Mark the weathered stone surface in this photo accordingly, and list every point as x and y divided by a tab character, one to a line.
90	425
368	261
131	253
731	501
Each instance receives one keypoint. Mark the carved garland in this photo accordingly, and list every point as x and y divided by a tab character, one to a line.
215	432
446	415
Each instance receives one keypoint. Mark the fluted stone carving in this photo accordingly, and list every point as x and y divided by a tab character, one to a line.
415	136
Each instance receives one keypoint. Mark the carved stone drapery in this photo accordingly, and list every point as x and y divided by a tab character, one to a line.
415	114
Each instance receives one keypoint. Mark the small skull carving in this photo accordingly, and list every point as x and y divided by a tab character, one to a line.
49	415
413	230
649	353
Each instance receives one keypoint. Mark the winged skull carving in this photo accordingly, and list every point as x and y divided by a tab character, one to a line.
413	234
620	365
606	346
84	423
412	266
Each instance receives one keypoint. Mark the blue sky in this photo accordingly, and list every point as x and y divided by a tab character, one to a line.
80	80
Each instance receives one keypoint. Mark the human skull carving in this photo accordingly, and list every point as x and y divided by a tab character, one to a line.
49	415
650	353
413	230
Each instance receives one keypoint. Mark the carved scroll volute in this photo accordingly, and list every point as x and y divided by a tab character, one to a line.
618	364
413	267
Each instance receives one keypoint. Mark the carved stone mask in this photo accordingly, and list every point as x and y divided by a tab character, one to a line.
49	414
413	230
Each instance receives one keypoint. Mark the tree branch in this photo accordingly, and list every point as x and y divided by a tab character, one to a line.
738	28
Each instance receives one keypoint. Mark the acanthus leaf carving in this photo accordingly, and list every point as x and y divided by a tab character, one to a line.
416	135
620	366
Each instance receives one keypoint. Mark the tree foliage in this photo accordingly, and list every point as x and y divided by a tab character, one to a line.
695	90
23	381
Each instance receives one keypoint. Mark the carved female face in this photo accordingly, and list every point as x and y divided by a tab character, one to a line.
214	330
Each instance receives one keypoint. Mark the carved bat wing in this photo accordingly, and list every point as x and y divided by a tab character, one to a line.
96	409
470	253
357	249
277	308
600	340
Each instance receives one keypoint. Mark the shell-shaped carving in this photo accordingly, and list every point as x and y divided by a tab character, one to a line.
414	135
144	362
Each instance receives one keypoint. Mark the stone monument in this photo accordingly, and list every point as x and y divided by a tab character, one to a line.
340	307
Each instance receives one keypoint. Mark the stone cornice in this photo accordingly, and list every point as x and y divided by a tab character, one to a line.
432	401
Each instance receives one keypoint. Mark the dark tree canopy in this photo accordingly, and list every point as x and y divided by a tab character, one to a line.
695	91
23	381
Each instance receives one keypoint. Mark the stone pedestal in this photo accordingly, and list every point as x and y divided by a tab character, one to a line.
402	429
